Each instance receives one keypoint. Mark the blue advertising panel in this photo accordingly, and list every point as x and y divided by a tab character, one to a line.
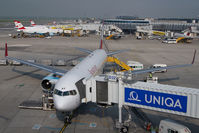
156	99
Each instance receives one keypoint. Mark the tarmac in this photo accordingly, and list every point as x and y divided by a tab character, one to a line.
22	83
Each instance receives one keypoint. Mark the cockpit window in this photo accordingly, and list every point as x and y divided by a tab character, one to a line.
65	93
58	92
73	92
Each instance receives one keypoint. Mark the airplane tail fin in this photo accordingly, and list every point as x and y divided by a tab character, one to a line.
32	23
6	50
101	45
102	36
187	33
102	41
19	25
16	24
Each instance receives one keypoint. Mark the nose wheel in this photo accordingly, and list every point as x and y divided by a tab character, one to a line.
124	129
67	121
68	118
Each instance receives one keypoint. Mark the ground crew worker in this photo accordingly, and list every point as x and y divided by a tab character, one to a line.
148	128
150	75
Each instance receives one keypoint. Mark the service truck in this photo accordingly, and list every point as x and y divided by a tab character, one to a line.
170	126
135	65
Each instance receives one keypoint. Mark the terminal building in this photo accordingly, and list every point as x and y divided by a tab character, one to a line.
162	24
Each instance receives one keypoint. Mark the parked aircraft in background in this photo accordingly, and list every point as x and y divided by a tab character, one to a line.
36	29
33	24
148	30
184	36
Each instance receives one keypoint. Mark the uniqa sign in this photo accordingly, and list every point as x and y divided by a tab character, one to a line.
156	99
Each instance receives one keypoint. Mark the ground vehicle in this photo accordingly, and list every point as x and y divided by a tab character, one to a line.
135	65
170	41
170	126
151	79
139	37
160	65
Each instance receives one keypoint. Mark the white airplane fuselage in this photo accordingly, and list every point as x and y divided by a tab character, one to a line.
32	30
40	30
84	70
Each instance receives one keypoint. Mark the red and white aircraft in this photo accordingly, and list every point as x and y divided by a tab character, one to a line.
33	24
36	29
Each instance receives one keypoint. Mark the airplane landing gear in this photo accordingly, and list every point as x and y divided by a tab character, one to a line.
68	118
124	129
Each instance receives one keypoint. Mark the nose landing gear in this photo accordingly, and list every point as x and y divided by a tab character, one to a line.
67	121
124	129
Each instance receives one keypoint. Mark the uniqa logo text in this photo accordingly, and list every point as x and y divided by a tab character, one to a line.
162	101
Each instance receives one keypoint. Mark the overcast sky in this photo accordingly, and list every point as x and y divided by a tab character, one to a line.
100	8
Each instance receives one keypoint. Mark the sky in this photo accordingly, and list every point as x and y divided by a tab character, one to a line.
100	8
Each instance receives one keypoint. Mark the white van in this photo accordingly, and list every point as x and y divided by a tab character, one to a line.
170	41
170	126
160	65
135	65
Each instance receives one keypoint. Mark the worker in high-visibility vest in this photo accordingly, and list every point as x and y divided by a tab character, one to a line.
150	75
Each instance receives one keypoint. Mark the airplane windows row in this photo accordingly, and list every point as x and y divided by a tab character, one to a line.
65	93
73	92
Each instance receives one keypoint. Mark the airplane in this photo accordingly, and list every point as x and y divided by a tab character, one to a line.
185	35
63	83
33	24
16	23
36	29
148	30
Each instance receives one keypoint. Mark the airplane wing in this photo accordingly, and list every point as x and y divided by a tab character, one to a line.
163	68
157	69
109	54
116	52
84	50
46	68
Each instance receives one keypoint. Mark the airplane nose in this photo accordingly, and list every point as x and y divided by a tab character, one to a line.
59	106
65	104
59	103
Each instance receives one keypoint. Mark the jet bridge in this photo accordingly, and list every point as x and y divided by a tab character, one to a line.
117	89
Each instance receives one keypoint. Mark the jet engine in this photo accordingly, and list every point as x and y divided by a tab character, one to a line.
49	82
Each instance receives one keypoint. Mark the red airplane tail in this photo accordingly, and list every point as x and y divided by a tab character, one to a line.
102	36
6	50
32	23
19	25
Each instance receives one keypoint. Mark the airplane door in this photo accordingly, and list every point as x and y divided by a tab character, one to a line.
81	88
101	92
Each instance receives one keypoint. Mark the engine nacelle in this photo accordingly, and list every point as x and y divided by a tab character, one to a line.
49	82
